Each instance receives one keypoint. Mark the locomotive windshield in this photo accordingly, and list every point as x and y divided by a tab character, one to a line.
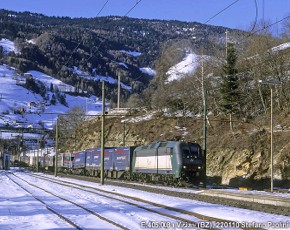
190	150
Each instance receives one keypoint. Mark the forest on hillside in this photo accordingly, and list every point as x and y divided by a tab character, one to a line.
233	82
228	74
55	45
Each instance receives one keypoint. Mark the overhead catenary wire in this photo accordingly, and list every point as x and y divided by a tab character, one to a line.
248	36
102	8
268	26
212	17
129	11
263	18
215	15
224	9
256	17
195	61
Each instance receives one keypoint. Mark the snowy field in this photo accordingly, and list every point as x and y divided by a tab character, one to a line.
20	210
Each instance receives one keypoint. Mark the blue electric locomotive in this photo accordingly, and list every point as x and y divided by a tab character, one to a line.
170	162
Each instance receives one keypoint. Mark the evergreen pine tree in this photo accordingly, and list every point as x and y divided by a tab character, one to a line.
51	87
229	103
53	99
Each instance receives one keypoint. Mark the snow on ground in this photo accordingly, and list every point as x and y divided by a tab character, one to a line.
8	46
14	97
123	64
287	195
188	65
31	41
145	117
48	80
109	79
281	47
148	71
132	53
21	211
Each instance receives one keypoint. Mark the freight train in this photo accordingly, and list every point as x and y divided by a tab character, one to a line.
167	162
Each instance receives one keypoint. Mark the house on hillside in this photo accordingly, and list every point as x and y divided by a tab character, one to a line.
28	76
31	104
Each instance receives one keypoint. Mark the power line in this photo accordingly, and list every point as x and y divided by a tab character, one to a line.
102	7
256	17
263	18
82	40
268	26
137	2
246	37
215	15
129	11
221	11
93	53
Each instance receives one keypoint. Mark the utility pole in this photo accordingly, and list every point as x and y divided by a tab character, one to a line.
119	91
103	133
56	147
226	43
37	158
204	123
272	160
124	133
271	83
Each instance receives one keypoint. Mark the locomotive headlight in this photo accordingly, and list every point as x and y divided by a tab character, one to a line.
199	167
184	166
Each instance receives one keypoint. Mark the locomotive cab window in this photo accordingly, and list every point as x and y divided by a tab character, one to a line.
154	145
144	147
163	144
185	153
190	150
195	149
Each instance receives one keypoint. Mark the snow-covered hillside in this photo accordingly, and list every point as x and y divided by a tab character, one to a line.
8	46
97	77
20	107
187	66
283	46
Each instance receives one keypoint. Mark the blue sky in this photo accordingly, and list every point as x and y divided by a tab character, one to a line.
240	15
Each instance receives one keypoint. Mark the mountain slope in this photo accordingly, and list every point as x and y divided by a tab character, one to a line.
108	46
22	107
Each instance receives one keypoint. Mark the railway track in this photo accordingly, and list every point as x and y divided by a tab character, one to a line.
178	215
68	219
46	205
214	199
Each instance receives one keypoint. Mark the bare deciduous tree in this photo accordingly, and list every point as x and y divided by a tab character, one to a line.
69	127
